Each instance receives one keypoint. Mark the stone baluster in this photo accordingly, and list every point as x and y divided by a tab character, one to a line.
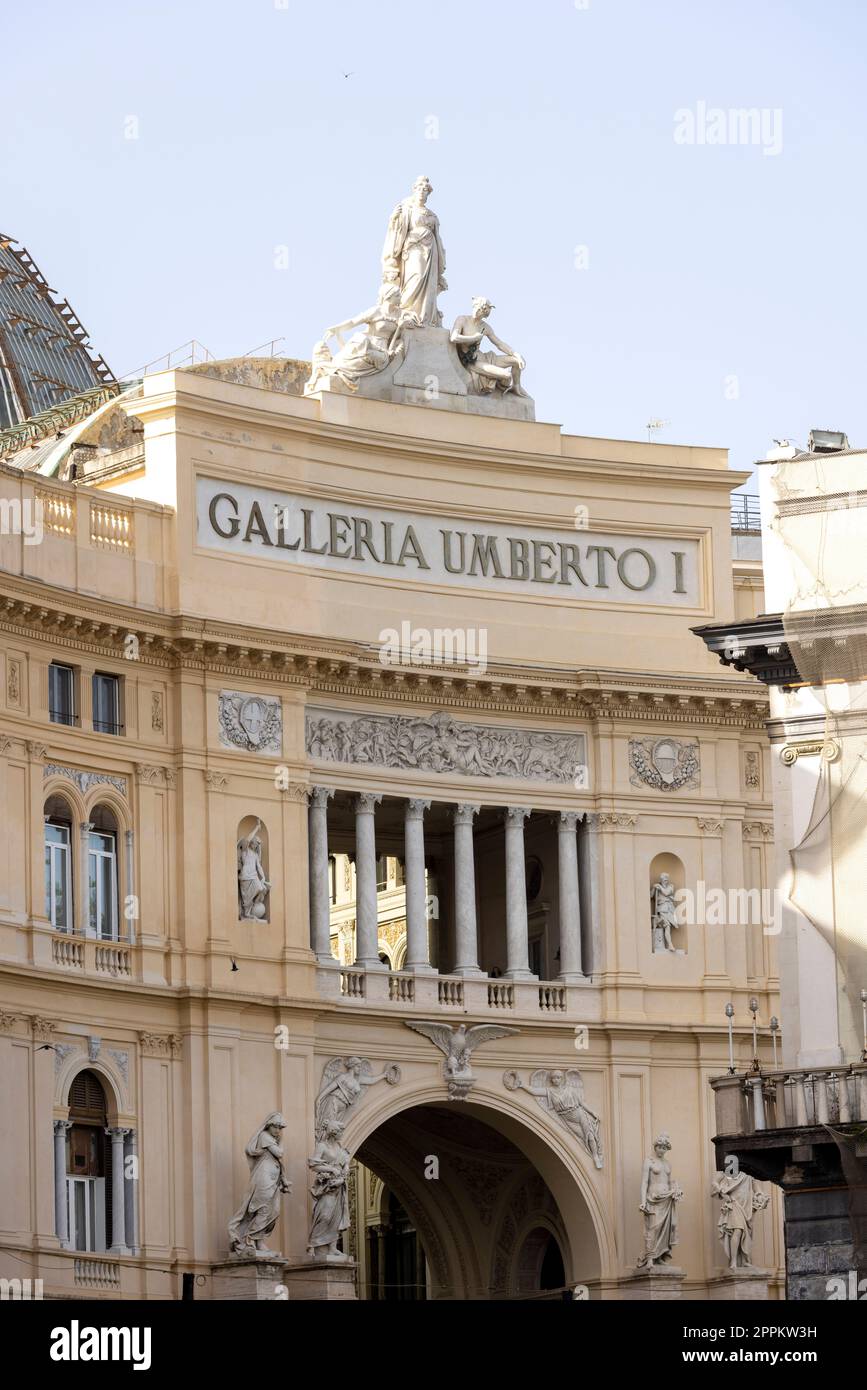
366	915
320	887
800	1100
517	943
417	950
61	1211
820	1098
570	900
845	1106
466	938
118	1134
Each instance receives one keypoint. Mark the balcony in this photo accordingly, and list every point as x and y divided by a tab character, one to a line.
405	991
84	955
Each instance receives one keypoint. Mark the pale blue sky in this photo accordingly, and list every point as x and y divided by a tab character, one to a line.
556	130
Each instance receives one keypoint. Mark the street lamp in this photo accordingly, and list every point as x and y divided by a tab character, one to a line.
754	1009
775	1028
864	1018
730	1013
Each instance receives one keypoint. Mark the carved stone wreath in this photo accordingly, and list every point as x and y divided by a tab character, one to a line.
252	722
666	764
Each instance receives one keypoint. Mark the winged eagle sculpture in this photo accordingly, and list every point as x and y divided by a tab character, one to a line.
457	1046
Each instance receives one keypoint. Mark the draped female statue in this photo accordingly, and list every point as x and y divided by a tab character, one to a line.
659	1197
414	258
260	1210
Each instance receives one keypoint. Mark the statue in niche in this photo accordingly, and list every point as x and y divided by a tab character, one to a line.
344	1081
663	914
260	1211
490	371
330	1163
414	259
561	1093
740	1199
659	1197
364	353
253	886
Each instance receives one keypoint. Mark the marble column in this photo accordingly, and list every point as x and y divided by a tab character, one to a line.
130	1158
466	936
320	887
417	951
84	925
61	1212
517	944
570	902
366	919
117	1135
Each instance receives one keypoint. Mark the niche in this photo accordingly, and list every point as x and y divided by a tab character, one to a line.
668	910
254	887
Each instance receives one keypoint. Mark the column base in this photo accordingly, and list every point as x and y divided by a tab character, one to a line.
256	1280
322	1280
520	975
419	970
376	964
660	1283
739	1285
469	972
571	977
328	962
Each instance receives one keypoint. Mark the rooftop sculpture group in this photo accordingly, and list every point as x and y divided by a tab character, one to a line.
401	351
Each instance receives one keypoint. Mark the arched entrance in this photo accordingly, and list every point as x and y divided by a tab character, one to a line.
459	1201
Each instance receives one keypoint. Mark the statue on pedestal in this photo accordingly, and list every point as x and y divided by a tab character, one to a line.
490	371
330	1163
740	1199
659	1197
364	353
260	1211
414	259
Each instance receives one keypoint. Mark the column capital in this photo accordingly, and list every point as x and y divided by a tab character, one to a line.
320	796
365	803
61	1126
463	814
85	827
117	1132
516	815
567	821
414	808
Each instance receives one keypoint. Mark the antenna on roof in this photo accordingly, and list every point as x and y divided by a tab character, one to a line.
654	426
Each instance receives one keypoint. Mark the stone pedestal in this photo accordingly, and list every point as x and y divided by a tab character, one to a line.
429	372
321	1280
250	1280
660	1283
737	1285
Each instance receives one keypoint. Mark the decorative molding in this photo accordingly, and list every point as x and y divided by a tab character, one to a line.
94	1045
251	722
665	764
439	743
13	683
157	715
709	827
37	751
752	770
160	1045
43	1028
85	780
753	829
121	1060
151	773
296	791
61	1052
612	820
215	781
828	749
8	1020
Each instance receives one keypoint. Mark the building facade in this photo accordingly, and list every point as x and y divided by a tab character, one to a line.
326	717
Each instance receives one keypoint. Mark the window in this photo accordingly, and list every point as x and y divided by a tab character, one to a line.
381	872
61	693
58	875
332	878
88	1166
106	704
102	875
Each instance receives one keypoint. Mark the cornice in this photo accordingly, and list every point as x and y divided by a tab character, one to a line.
335	669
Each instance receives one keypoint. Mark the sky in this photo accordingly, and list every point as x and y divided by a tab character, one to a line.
224	170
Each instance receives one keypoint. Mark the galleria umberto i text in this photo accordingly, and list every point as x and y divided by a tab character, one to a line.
281	921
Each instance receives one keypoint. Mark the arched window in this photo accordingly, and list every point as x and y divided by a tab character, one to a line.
102	887
88	1166
58	864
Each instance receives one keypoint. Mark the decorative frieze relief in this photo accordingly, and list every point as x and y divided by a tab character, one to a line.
43	1028
85	780
251	722
828	750
560	1092
151	774
216	781
440	743
757	829
160	1044
612	820
121	1061
666	764
709	827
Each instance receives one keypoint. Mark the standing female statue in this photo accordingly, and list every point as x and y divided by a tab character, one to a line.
659	1197
261	1208
414	258
253	886
330	1163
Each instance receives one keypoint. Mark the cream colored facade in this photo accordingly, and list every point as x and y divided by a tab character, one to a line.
179	1016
